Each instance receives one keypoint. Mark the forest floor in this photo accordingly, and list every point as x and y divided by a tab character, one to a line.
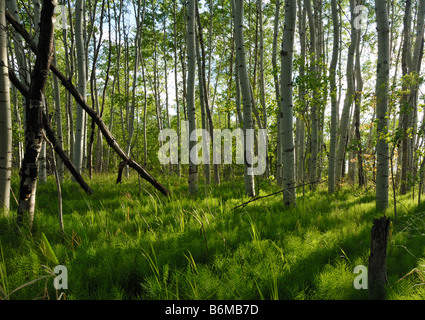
127	241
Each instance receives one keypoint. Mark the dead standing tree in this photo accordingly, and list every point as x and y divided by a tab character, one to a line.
34	116
377	275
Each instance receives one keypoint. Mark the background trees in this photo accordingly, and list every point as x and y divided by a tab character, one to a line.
142	67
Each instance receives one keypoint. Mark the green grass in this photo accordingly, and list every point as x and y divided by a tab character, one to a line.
126	243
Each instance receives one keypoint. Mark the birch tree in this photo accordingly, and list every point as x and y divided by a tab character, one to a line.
300	122
82	84
286	107
404	110
357	109
382	72
175	81
261	78
334	102
348	100
58	115
314	103
277	92
5	116
190	93
246	94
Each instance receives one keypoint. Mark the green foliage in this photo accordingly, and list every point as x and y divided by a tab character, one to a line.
122	243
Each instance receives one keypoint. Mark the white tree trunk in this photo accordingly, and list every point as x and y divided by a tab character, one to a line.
314	102
176	81
348	101
5	116
286	107
277	93
382	79
58	107
246	95
190	94
261	79
300	127
334	104
82	85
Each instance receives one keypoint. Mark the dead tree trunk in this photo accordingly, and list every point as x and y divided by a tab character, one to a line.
377	274
34	112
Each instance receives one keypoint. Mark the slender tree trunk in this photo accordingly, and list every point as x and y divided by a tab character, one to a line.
139	31
277	93
82	85
246	94
205	144
176	83
34	130
314	102
287	138
190	94
206	93
145	107
23	69
404	107
382	79
58	108
238	94
414	88
300	123
261	79
5	116
334	104
348	101
357	106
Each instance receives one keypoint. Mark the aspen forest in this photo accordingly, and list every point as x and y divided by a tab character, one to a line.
212	150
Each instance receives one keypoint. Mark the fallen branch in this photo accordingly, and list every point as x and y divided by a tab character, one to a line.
51	137
255	198
89	110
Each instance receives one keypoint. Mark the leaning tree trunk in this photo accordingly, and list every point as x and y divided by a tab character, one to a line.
382	150
5	116
110	139
34	129
286	107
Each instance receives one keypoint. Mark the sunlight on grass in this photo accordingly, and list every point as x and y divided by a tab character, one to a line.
122	243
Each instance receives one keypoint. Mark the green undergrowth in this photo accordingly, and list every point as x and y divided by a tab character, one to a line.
127	241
